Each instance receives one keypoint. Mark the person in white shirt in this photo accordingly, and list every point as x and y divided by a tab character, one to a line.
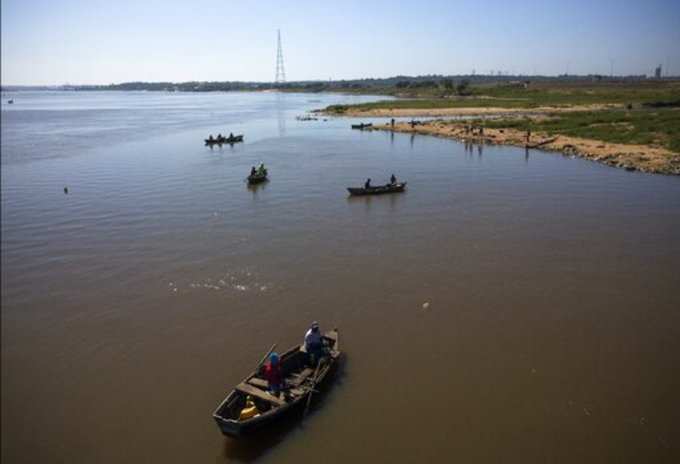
314	343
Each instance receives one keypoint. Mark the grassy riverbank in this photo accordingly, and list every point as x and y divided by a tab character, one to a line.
653	127
642	140
541	97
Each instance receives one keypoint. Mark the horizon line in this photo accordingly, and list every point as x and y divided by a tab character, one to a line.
307	81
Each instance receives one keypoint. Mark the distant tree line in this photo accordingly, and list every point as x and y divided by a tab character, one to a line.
459	84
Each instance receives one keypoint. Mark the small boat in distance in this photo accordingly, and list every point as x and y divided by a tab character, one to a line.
10	101
223	140
301	381
378	189
258	177
362	126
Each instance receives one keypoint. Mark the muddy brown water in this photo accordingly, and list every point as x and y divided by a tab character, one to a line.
509	306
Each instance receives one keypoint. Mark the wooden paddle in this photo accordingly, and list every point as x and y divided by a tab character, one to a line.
312	389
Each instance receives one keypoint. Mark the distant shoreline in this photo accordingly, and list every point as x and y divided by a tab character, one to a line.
461	111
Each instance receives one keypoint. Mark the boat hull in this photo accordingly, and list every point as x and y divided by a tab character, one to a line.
379	190
224	140
234	429
362	126
252	180
295	400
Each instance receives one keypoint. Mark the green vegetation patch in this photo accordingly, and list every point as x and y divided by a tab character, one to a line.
431	103
660	127
529	95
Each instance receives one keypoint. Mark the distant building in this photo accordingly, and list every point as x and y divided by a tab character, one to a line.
657	72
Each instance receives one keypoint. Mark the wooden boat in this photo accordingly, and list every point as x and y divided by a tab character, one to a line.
378	189
257	177
540	144
301	381
362	126
234	139
223	140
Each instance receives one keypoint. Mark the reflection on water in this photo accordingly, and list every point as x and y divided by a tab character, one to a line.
522	313
255	188
390	200
281	112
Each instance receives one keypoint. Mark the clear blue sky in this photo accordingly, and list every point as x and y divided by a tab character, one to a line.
100	42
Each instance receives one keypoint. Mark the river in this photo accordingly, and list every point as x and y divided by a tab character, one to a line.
509	305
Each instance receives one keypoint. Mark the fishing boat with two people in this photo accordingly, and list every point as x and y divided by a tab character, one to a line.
259	175
392	187
253	403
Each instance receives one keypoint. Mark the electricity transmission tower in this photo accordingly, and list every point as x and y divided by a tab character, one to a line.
280	71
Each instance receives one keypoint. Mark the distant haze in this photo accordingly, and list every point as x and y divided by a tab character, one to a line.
100	42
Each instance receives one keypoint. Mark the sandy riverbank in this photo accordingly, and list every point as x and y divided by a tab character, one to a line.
632	157
463	111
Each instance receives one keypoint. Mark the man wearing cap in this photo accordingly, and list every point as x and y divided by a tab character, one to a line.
314	343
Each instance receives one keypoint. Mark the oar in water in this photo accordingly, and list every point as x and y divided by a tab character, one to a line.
312	389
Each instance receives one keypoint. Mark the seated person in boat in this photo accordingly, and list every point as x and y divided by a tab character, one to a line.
210	138
367	185
231	135
253	171
273	375
314	344
393	179
219	137
261	169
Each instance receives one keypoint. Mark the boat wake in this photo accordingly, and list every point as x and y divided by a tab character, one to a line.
234	281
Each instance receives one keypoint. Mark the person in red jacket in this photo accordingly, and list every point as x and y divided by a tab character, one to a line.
273	374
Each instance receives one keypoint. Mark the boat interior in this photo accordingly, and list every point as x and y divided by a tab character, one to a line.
296	370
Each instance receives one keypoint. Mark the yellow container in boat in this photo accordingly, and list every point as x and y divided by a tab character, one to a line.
249	411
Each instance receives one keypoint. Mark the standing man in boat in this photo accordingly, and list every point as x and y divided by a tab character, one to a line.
367	185
314	344
273	375
393	179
